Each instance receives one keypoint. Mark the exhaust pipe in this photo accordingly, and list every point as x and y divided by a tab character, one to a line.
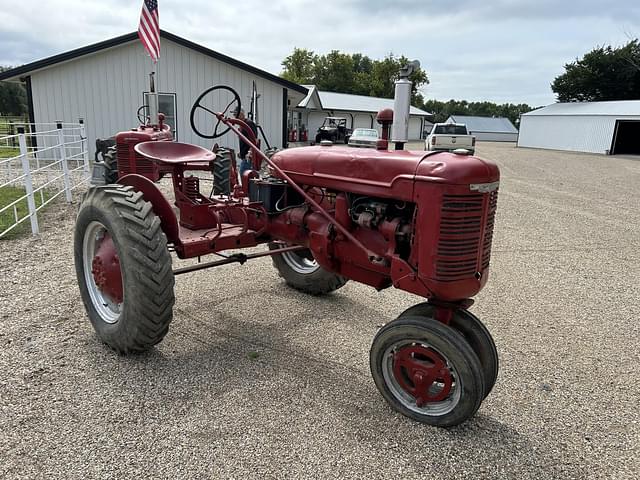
402	105
152	98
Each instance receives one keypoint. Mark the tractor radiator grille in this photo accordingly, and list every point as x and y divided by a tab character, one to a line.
488	229
466	230
131	162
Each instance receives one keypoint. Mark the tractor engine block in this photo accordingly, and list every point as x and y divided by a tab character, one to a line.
129	161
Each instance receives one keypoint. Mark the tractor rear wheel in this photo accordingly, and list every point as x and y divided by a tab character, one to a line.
475	332
427	371
123	268
221	171
300	271
110	166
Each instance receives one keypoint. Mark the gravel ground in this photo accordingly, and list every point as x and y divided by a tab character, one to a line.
255	379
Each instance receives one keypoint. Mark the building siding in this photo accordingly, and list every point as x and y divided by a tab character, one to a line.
589	133
495	137
106	89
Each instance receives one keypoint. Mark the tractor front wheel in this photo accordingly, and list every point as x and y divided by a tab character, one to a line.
300	271
474	332
123	268
427	371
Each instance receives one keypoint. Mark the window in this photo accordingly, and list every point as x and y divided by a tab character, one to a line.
166	105
451	129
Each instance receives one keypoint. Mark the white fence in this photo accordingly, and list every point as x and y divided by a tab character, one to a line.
44	162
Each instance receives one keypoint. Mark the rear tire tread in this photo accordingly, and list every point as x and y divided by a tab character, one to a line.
110	160
221	170
145	318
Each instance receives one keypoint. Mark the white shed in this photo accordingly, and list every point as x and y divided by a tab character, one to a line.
491	129
359	110
105	83
597	127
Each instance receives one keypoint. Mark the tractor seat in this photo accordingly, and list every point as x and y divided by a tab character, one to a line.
172	153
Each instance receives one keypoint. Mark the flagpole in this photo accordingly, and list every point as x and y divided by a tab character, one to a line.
149	34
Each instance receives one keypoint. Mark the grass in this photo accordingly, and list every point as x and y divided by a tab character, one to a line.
8	152
253	355
5	130
9	195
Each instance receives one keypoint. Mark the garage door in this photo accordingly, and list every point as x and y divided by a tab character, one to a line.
626	138
361	120
415	124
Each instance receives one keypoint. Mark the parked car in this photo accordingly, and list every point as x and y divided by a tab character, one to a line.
334	129
364	137
449	137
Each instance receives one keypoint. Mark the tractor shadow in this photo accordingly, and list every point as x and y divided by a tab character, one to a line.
231	363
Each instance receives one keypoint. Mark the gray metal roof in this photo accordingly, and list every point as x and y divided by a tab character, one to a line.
353	103
485	124
618	107
312	97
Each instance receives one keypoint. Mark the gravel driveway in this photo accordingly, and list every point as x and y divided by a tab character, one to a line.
256	380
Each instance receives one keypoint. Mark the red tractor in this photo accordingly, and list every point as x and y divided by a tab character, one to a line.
418	221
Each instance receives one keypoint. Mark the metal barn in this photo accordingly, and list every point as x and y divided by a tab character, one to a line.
490	129
105	83
595	127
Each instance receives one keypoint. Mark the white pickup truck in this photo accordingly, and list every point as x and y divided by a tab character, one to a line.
449	137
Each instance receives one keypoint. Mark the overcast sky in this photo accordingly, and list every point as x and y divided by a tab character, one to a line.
497	50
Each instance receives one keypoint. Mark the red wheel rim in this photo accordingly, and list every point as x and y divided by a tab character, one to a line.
105	268
422	373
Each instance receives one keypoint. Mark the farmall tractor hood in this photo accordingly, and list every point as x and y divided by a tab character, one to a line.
382	173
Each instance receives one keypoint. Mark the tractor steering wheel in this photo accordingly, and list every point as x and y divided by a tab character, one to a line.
198	104
144	117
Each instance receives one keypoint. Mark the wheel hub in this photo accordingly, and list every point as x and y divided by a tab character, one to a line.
423	373
105	268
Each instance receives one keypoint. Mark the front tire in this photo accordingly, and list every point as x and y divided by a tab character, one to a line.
300	271
123	268
474	332
427	371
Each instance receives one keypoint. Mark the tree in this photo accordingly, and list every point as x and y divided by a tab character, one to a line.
13	97
605	73
350	73
298	67
334	72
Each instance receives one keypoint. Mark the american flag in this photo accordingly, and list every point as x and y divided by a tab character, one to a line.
149	28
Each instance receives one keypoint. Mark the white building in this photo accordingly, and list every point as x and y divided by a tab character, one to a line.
491	129
105	83
359	110
597	127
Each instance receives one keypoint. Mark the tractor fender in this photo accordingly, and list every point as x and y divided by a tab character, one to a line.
161	206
